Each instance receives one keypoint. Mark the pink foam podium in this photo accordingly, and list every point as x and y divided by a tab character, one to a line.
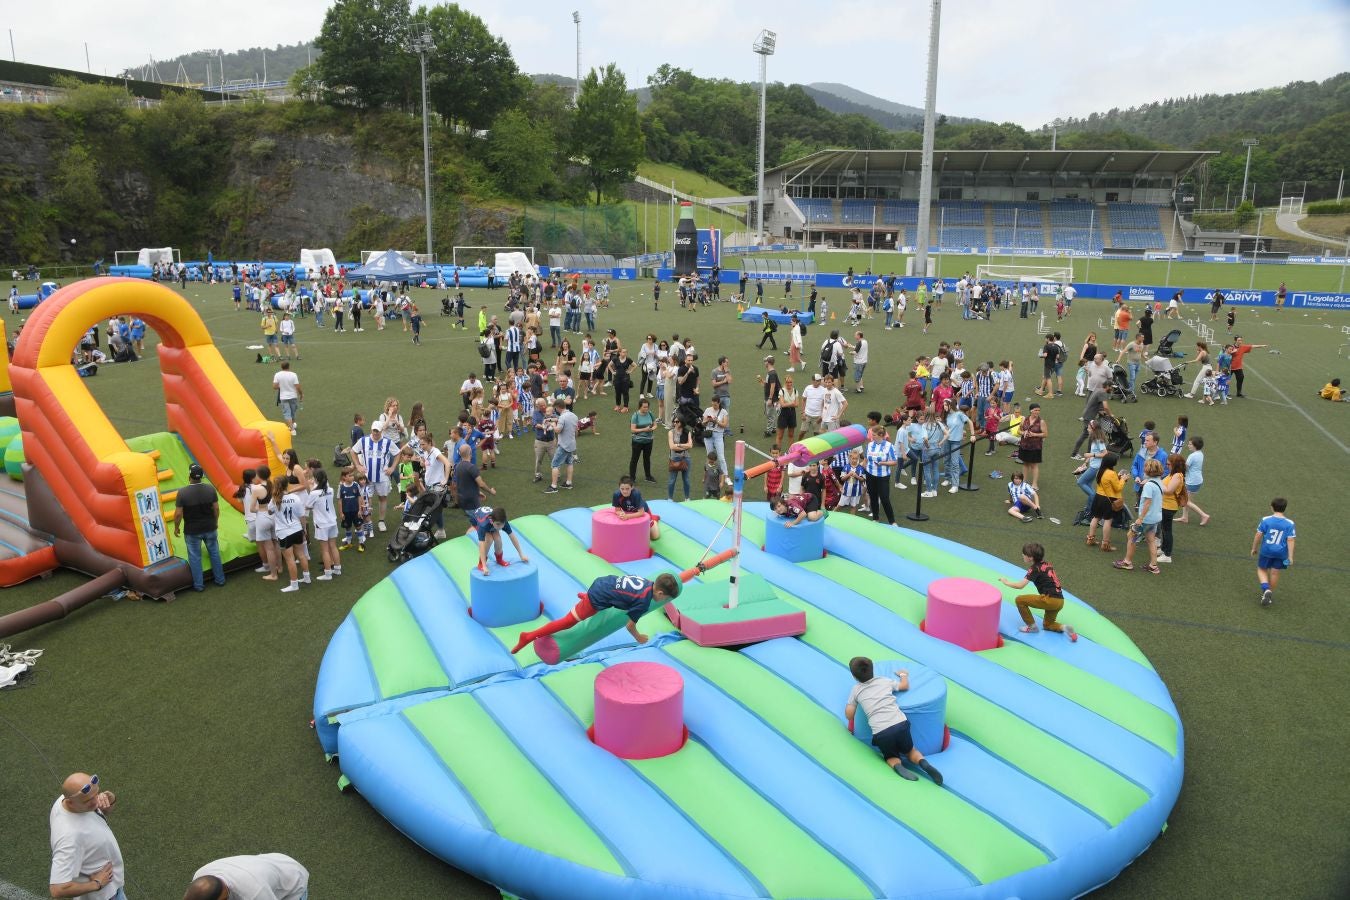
639	710
964	612
618	540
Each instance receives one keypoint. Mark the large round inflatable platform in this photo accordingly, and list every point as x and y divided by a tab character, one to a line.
1061	761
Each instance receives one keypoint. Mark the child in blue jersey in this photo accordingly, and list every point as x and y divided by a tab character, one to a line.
1022	501
630	593
489	524
890	726
628	504
852	481
1179	433
349	501
1274	541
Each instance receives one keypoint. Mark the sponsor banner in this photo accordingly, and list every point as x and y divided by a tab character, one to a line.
709	244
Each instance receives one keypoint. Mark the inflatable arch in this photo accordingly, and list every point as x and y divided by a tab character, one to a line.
110	492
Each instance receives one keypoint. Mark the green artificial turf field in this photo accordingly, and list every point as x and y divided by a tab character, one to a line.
196	712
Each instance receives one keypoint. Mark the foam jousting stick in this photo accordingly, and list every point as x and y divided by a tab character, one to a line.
821	446
554	648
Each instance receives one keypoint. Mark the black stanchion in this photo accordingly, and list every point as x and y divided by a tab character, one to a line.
970	484
918	514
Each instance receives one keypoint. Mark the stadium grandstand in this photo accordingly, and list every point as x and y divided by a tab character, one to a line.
1036	202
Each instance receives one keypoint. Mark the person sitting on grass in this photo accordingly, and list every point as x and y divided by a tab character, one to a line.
628	504
1333	392
798	507
489	523
890	726
1049	594
630	593
1022	501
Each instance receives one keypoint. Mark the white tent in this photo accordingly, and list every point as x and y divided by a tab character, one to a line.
315	260
507	263
148	256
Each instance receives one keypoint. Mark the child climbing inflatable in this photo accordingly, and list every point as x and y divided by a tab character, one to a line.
630	594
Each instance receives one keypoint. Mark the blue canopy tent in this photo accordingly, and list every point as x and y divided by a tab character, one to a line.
390	266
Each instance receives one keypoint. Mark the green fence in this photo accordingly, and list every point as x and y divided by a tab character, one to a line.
610	228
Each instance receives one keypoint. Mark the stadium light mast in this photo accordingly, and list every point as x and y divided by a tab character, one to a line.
929	124
1249	143
576	91
764	45
422	44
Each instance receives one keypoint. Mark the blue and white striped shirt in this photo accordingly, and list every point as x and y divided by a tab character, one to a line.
854	486
879	452
376	455
513	339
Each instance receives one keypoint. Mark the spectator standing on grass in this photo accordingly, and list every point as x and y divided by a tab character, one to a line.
1096	405
1173	498
642	425
267	876
795	344
286	328
269	331
679	443
1134	355
564	458
880	461
714	433
289	394
772	387
957	425
1195	480
1107	501
1030	449
813	405
197	510
860	348
1235	366
1121	320
1147	519
86	858
545	437
1148	451
375	453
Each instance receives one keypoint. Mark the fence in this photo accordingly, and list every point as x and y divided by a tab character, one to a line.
609	229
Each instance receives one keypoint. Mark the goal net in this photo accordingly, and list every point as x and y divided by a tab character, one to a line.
1048	275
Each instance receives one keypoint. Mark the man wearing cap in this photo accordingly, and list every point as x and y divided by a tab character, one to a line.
375	453
198	509
86	859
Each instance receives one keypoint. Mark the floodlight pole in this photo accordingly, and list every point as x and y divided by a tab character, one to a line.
764	45
1249	143
1256	250
576	90
422	44
929	125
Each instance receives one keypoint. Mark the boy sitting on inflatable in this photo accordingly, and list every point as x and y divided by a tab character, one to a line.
489	523
797	507
628	504
890	727
630	593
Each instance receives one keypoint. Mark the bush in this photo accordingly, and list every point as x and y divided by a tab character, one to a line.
1328	208
262	148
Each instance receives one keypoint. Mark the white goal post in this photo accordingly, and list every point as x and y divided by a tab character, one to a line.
468	255
147	256
1044	275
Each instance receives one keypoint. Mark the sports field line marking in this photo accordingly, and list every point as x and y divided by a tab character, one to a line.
1225	629
1316	424
14	892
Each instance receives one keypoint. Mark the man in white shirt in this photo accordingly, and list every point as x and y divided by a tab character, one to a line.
375	453
859	361
86	859
1068	294
555	314
289	393
467	387
267	876
833	405
1098	372
813	404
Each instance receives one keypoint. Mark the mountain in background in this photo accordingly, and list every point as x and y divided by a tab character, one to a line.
841	98
280	62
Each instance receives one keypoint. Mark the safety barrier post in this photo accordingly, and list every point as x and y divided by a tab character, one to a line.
970	484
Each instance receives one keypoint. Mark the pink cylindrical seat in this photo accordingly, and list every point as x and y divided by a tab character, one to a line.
618	540
965	612
639	710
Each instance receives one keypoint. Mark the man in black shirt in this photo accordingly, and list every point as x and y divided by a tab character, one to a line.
469	484
198	509
686	378
772	386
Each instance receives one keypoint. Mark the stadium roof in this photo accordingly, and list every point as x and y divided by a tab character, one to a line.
1097	162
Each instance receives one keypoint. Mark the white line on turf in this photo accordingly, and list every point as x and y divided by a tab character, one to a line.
1303	412
14	892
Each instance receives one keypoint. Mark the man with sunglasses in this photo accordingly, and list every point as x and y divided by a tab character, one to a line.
86	860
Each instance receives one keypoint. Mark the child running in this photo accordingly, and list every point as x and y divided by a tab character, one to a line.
1275	540
890	726
629	593
1049	595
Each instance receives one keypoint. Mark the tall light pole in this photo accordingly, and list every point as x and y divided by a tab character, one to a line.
764	45
1249	143
576	90
423	44
929	124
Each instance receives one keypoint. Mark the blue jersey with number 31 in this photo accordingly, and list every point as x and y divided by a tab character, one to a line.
1276	533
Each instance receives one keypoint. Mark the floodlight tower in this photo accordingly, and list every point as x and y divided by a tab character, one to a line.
929	124
576	90
1249	143
764	45
423	44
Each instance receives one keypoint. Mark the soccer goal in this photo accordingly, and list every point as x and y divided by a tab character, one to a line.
485	256
1049	275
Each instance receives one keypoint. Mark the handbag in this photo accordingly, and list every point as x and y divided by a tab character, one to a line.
680	464
1117	504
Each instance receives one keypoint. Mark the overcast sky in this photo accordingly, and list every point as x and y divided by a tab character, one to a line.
1026	62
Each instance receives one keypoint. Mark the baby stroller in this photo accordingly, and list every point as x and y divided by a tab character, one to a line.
692	418
1167	380
417	533
1117	433
1165	345
1119	385
447	306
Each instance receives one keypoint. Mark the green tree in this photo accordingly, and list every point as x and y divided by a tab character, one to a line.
178	135
76	186
606	135
521	154
365	60
471	75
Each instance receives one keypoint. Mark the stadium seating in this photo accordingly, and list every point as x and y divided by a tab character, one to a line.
1071	214
899	212
960	212
1134	226
859	212
959	236
816	210
1083	240
1018	214
1139	239
1021	237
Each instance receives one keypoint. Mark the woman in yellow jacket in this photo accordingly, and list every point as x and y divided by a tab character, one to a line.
1106	501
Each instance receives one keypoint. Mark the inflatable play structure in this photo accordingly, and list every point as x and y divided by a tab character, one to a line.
28	301
99	502
714	760
755	315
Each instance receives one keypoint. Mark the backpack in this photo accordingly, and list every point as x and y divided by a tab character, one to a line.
773	326
827	352
341	458
802	326
1061	354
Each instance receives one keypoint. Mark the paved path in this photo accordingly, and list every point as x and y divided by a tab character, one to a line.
1288	222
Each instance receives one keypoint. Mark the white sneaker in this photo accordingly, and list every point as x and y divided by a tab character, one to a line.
791	369
263	569
291	588
902	486
382	527
304	579
945	482
292	431
913	480
928	494
440	534
326	576
1163	559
